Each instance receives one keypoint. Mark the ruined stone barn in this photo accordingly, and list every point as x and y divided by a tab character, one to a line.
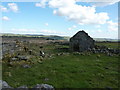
81	41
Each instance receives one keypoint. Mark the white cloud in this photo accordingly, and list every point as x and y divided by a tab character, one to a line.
5	18
61	3
46	31
13	7
78	13
42	3
97	26
69	28
112	26
54	12
100	2
99	30
39	5
105	3
46	24
74	26
23	30
3	9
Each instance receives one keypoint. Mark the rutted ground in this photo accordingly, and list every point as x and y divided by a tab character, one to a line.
30	63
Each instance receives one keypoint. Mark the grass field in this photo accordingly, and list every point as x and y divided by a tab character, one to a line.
109	44
68	70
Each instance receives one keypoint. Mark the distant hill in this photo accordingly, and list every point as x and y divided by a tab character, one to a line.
55	37
47	37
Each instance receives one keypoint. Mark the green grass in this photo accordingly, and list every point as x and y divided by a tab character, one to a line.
66	71
73	71
109	44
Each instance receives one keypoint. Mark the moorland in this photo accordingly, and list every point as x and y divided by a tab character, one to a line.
29	60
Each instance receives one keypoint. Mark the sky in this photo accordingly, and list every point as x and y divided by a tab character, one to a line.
61	17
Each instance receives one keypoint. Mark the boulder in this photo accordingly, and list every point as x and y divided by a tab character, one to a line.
4	84
43	87
22	57
24	87
14	59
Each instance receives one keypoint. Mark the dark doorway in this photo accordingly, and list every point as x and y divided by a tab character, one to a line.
76	47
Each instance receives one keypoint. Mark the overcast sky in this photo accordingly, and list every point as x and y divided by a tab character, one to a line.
61	17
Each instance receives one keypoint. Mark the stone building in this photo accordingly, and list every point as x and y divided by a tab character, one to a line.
81	41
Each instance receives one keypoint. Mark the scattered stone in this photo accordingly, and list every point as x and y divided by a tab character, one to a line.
109	54
43	87
4	84
14	59
16	46
50	56
42	54
82	54
26	66
11	51
46	79
40	61
77	53
23	57
24	86
58	54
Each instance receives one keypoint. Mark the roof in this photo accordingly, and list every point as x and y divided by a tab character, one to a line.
81	33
